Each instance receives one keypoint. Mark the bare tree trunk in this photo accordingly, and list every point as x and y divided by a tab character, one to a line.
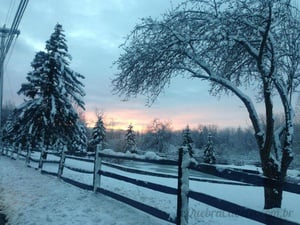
273	196
272	188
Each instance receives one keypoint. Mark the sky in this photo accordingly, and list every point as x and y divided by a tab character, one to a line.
94	31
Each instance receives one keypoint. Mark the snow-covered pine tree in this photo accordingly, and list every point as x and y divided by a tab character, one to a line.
209	153
187	140
52	92
130	140
7	131
32	87
99	132
80	142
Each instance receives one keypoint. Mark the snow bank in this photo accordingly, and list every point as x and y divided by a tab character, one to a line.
148	155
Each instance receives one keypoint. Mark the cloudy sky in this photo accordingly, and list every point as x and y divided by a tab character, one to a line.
94	30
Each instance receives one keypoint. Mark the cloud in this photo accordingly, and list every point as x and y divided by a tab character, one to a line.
94	31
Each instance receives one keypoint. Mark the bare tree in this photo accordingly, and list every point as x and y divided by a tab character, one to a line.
158	136
234	45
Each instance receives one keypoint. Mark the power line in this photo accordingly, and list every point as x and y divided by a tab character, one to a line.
10	10
15	24
5	68
7	36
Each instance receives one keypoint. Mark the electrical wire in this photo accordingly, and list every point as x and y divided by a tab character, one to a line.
10	52
10	10
5	69
10	92
11	33
21	9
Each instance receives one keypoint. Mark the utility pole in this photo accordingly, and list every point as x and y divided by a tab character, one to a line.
4	32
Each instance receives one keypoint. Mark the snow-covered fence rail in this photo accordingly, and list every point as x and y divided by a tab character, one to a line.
76	169
147	158
240	177
244	176
239	210
137	171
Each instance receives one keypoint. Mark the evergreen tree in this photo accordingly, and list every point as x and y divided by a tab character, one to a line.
187	140
52	92
99	132
80	142
130	140
7	130
209	153
34	77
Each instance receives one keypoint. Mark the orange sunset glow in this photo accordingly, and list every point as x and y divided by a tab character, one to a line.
119	119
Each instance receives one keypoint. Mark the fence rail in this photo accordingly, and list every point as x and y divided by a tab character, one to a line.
138	205
236	177
141	183
245	177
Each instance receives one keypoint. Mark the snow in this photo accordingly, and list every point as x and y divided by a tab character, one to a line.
148	155
152	156
31	198
185	185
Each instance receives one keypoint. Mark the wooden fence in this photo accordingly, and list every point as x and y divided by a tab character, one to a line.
182	191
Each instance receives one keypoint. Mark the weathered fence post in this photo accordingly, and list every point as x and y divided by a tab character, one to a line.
41	157
62	162
97	168
28	156
183	187
18	152
6	148
12	152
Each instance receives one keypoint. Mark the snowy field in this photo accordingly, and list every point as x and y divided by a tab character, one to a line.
32	198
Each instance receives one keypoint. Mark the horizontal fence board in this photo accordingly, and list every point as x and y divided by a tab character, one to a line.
142	172
130	170
79	158
24	155
77	184
219	181
250	178
239	210
229	174
145	184
79	170
154	161
290	187
48	172
51	161
34	160
138	205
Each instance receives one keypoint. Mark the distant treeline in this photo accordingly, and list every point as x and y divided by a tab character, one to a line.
232	145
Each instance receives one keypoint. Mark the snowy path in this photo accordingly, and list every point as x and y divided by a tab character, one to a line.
33	199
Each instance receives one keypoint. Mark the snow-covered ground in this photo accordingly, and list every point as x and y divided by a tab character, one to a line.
32	198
